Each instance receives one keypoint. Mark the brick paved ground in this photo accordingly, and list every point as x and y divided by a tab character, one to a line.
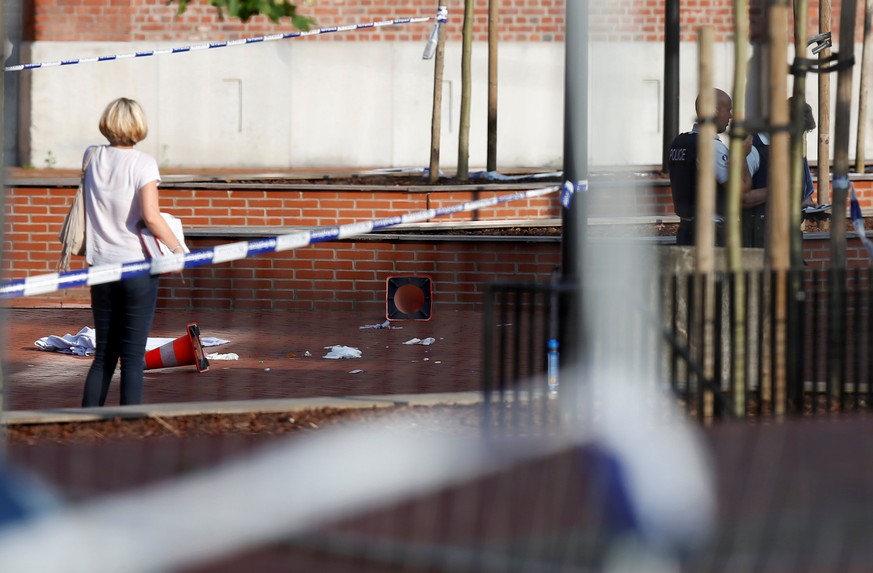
37	379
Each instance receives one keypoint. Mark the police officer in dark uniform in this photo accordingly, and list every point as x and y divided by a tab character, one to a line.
754	218
682	164
754	223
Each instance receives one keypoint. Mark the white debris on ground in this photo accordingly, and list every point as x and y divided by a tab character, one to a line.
338	352
227	356
426	342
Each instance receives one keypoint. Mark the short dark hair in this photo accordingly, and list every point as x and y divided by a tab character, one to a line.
808	117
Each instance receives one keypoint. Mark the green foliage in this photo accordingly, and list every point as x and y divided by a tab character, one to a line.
275	10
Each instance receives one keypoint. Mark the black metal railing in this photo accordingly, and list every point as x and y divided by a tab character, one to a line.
752	344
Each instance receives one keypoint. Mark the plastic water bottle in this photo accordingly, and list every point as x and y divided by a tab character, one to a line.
431	45
553	366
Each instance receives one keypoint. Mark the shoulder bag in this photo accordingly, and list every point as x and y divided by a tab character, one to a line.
72	235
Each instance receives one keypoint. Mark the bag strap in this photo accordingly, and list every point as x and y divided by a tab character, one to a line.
87	161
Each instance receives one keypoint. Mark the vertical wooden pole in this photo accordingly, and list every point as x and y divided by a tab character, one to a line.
837	310
493	37
798	148
824	111
866	68
704	227
798	135
841	133
778	204
734	201
437	111
466	93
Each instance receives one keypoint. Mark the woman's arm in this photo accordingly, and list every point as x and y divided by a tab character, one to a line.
151	216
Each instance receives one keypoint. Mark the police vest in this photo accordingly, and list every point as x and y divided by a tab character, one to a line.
759	179
682	164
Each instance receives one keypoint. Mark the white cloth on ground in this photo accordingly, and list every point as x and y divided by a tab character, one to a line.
84	342
339	352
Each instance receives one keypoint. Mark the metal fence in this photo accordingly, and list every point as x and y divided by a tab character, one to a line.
753	344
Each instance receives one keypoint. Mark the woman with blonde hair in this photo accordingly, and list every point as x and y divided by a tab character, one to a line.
121	194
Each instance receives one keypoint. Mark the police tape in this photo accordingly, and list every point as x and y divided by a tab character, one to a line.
441	17
100	274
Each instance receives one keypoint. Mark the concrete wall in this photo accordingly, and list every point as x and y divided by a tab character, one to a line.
309	104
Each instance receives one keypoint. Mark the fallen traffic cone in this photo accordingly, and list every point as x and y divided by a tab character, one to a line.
181	352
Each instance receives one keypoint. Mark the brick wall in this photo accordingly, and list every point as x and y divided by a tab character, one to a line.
521	20
341	275
338	275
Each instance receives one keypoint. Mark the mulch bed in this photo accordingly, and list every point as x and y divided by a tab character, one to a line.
256	424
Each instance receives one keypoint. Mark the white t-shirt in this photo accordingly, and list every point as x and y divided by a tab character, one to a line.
114	208
753	160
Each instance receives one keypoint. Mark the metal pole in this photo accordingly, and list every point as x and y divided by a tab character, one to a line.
672	36
574	195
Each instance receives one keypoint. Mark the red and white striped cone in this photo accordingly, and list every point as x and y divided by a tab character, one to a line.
181	352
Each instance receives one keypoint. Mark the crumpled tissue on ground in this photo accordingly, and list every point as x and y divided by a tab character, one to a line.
426	342
337	352
228	356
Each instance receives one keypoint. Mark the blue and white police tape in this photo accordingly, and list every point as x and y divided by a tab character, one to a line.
99	274
441	17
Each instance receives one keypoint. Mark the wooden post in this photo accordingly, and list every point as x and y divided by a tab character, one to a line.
437	112
704	227
734	201
493	37
466	93
837	284
866	64
738	133
798	136
793	354
841	134
778	204
824	111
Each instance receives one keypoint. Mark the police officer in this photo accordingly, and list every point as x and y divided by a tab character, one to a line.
682	164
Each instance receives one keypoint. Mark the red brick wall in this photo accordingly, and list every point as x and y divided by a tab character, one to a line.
341	275
351	275
297	279
520	21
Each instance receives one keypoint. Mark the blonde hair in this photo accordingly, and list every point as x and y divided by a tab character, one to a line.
123	122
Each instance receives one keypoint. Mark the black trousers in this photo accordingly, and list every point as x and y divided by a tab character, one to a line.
123	313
